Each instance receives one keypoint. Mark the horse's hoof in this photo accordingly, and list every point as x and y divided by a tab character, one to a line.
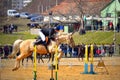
14	69
10	56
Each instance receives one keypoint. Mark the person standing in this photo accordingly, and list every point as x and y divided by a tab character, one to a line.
111	50
118	26
110	25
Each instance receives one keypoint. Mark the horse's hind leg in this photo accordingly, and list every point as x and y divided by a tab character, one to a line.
17	63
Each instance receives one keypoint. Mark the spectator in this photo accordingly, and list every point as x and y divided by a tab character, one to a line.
81	51
102	50
75	53
98	51
10	49
5	29
64	49
1	51
11	27
95	48
16	28
6	51
118	26
111	50
95	23
110	25
100	24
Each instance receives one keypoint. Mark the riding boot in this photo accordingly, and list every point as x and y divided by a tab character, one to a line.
45	44
38	41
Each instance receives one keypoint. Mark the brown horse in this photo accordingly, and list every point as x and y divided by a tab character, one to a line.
26	47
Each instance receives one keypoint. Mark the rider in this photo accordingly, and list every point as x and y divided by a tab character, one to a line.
47	32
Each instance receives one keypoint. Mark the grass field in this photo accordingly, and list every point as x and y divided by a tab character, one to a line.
98	37
88	38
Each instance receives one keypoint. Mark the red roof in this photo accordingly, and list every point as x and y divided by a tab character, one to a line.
70	7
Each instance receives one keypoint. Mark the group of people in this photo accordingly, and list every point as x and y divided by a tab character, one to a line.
5	50
9	28
79	50
98	25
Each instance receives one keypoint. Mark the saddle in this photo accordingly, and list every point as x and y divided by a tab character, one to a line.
39	41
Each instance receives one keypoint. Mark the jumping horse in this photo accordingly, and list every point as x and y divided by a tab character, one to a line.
26	47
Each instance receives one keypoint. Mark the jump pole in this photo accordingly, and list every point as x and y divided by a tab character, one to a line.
56	63
86	60
91	61
35	65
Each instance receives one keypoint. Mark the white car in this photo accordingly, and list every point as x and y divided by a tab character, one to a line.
12	13
24	15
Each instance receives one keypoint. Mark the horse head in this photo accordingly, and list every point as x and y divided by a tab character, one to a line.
66	38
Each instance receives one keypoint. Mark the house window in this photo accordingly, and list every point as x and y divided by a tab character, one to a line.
108	14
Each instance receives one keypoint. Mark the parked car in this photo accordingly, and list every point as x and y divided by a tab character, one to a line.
32	15
32	25
38	18
13	13
24	14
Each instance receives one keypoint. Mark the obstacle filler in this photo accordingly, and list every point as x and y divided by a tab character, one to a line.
35	65
101	66
86	61
54	65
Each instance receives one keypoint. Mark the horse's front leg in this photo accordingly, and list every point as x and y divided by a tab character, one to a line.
60	54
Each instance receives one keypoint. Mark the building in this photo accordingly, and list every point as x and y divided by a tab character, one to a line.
19	4
26	2
69	11
111	12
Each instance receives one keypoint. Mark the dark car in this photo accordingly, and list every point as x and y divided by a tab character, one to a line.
32	15
38	18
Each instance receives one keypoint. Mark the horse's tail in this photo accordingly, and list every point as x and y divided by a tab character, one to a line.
16	48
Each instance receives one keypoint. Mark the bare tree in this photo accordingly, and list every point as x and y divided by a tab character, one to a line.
80	11
4	6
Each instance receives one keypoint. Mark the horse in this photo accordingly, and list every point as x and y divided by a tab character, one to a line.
26	47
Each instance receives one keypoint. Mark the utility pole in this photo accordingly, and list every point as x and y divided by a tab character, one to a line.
114	39
56	2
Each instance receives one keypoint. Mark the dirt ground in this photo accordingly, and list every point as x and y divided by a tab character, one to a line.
69	69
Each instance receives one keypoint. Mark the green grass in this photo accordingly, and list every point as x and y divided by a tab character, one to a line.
96	37
88	38
10	38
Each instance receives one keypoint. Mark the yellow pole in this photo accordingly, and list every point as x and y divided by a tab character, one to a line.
35	64
86	54
86	60
91	61
56	62
91	54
